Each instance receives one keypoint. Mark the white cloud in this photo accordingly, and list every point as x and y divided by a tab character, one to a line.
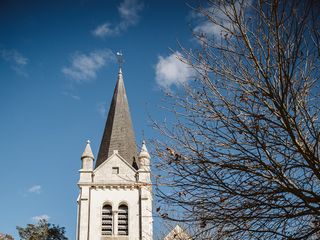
40	217
172	71
104	30
129	16
70	94
129	10
75	97
16	60
84	67
35	189
222	16
102	109
209	28
14	56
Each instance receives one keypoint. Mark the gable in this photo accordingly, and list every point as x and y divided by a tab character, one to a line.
114	170
178	234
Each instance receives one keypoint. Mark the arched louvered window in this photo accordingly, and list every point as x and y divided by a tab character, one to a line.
106	220
123	220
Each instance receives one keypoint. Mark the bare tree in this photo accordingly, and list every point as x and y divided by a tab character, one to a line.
241	157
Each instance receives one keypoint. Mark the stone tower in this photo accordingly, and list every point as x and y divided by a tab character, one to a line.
115	199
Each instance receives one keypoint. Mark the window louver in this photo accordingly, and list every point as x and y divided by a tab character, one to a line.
107	220
123	220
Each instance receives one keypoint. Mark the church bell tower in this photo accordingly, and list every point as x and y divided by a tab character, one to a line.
115	198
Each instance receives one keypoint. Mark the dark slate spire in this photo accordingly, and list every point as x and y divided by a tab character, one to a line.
118	133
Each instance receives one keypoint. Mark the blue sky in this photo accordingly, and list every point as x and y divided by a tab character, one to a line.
57	73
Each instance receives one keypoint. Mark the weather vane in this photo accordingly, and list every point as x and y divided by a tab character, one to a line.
120	58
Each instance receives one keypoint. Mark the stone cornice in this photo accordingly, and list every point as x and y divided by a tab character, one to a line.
113	185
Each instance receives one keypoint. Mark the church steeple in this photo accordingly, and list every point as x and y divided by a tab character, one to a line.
118	133
115	198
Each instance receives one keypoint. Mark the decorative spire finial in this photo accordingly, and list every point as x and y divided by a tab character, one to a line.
144	151
87	153
120	59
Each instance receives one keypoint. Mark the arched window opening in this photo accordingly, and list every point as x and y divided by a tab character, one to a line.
107	220
123	220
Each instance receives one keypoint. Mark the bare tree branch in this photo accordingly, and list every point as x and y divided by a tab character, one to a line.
242	156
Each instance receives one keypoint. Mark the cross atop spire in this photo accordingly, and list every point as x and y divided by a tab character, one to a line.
120	59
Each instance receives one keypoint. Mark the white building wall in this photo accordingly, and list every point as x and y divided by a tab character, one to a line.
129	187
83	213
146	213
146	194
114	197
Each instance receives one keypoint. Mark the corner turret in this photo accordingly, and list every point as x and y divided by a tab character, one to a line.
144	158
144	173
87	159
